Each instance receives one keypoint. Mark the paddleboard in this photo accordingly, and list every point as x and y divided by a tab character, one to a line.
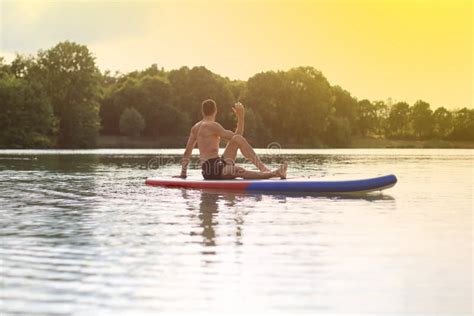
276	185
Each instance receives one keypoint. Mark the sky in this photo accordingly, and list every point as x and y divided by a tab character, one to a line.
405	50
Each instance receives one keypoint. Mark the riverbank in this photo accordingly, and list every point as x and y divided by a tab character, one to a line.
372	142
359	142
106	141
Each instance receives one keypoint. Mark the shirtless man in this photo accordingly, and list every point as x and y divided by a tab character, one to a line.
207	134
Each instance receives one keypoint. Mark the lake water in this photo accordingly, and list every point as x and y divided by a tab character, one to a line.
81	233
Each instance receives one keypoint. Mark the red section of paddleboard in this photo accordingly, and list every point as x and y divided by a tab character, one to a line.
225	185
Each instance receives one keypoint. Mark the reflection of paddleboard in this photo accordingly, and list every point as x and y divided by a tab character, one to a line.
290	185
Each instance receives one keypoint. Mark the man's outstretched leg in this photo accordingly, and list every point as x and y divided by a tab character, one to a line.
239	142
233	171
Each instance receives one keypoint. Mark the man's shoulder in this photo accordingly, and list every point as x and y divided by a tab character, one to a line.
202	125
205	124
196	125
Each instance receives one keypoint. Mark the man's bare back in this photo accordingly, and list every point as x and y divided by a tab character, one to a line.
207	139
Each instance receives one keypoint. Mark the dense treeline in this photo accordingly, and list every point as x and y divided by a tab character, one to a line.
51	99
59	98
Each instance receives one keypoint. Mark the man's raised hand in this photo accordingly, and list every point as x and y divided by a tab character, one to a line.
238	109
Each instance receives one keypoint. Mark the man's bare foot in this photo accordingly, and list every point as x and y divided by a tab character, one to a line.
281	172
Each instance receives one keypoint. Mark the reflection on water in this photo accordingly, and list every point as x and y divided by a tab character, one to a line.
207	216
82	233
209	208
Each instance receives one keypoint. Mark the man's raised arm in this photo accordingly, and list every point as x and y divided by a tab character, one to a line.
240	113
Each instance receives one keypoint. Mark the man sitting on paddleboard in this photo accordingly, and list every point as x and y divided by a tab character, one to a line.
207	134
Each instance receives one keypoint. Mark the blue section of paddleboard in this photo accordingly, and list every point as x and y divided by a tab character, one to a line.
372	184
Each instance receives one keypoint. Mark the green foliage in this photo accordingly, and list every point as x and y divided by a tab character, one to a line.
192	86
255	131
345	106
25	67
367	119
338	133
270	103
311	98
293	105
26	116
72	82
443	122
4	68
398	119
151	97
422	119
79	125
238	88
382	112
131	122
57	97
463	125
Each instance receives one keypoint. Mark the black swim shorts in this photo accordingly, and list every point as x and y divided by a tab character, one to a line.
212	168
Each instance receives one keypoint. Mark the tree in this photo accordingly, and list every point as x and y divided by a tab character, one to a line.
131	122
151	96
338	133
170	121
463	125
382	111
398	119
443	122
268	95
367	120
294	105
25	67
422	119
26	115
72	82
4	68
123	93
192	86
255	131
311	104
345	106
238	88
54	98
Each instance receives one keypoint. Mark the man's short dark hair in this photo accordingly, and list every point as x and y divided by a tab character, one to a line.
209	107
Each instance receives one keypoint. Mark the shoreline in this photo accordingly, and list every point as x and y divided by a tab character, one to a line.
124	142
358	142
